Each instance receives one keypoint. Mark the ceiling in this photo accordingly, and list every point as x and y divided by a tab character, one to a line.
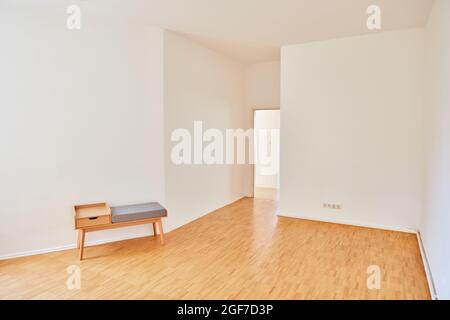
253	30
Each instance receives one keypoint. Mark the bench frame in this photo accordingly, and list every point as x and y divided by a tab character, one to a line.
82	231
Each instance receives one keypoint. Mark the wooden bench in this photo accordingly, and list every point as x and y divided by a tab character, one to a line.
99	216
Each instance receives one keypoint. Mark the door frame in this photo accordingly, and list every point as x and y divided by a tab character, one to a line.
253	127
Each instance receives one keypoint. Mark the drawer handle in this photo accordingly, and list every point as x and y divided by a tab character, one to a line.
95	218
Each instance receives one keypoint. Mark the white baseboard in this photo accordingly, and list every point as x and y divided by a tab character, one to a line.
36	252
73	246
423	254
426	265
354	224
429	275
133	235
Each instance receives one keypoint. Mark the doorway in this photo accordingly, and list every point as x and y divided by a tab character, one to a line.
266	175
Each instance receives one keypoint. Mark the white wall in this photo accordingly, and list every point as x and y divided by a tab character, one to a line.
82	116
262	91
351	119
200	84
262	85
267	175
81	121
435	224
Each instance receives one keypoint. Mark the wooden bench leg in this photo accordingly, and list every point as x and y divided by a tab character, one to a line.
81	243
161	232
78	239
155	233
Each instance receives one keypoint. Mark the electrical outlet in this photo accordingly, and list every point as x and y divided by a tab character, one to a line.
332	206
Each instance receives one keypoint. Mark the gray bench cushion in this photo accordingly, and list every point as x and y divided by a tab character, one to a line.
138	212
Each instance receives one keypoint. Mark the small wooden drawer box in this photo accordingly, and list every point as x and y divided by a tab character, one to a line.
92	215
